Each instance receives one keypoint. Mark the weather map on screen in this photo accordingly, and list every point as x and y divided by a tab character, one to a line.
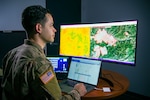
114	41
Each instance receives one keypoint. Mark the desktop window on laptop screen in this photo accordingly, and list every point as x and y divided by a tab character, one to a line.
84	70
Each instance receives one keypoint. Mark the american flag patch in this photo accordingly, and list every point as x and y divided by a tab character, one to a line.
46	77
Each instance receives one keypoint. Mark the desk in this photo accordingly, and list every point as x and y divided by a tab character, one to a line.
120	86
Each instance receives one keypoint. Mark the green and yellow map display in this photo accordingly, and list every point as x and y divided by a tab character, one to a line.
75	41
114	41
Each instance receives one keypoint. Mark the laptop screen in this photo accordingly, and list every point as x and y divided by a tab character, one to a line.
84	70
59	63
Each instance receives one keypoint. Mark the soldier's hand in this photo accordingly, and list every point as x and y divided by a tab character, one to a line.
81	89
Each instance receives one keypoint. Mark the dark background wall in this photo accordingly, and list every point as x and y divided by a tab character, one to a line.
9	41
10	13
120	10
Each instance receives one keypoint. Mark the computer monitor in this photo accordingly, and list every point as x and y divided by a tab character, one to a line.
111	41
59	63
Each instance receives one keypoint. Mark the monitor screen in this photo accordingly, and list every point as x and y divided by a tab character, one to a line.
60	64
85	70
113	41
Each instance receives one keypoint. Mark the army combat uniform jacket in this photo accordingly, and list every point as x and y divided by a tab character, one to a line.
28	75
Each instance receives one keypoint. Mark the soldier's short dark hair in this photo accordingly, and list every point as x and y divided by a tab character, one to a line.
31	16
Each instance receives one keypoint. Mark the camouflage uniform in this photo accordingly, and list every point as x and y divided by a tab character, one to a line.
28	75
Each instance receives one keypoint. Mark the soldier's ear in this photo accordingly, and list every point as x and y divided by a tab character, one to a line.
38	28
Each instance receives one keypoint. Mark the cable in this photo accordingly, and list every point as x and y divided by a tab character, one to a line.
98	88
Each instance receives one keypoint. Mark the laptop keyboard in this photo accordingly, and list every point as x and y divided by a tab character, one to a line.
73	83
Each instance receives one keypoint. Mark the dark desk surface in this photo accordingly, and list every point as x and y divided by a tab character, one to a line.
120	86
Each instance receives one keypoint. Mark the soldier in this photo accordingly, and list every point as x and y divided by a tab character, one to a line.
27	74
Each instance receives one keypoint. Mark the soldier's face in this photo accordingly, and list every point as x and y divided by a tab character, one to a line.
48	30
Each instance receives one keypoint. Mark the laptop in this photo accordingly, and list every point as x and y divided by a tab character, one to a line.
82	70
60	65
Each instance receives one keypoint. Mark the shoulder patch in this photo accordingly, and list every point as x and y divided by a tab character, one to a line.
47	76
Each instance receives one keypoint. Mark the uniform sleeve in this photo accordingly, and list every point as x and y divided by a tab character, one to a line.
44	84
33	83
73	95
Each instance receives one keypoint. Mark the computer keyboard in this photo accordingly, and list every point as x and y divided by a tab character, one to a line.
73	83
